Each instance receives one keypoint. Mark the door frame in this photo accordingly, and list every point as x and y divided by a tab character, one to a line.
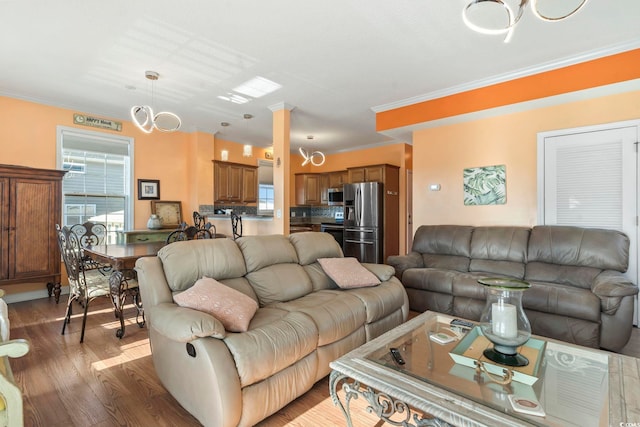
542	136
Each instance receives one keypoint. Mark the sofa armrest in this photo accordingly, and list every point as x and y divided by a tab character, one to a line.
405	262
382	272
611	286
184	324
14	348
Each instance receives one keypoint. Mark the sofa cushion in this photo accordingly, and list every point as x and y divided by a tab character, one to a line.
567	301
577	246
234	309
311	246
443	239
279	283
185	262
382	300
430	279
348	272
276	339
336	314
499	250
581	277
265	250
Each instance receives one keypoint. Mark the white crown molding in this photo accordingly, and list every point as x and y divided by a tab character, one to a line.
281	106
540	68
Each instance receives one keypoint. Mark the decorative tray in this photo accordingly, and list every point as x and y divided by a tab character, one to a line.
469	351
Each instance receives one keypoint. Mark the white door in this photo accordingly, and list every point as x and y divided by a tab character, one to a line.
588	177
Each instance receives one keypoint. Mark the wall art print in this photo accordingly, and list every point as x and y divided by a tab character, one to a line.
485	185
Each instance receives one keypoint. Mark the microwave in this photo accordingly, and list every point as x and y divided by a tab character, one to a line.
335	196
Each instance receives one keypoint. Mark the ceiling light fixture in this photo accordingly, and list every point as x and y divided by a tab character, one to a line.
143	117
310	158
247	150
488	16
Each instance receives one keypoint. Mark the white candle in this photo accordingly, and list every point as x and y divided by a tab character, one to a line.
504	320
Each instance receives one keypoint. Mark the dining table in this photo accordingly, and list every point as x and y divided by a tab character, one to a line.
122	281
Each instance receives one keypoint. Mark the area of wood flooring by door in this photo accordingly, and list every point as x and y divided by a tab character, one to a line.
111	382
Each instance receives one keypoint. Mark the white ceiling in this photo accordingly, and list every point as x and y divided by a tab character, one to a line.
337	60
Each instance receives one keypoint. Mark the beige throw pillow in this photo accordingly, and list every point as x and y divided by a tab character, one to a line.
348	272
232	308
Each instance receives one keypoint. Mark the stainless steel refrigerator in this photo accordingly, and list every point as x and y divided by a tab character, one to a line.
363	213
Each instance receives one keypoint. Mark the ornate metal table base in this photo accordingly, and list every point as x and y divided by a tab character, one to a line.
380	404
119	286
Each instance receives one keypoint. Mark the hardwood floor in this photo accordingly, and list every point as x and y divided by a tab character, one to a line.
110	382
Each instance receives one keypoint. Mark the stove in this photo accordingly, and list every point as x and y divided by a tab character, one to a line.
336	228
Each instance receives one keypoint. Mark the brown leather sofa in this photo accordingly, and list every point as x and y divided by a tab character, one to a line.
578	291
304	321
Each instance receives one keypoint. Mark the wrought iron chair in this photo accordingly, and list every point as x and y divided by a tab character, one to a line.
91	234
236	225
85	284
199	222
188	233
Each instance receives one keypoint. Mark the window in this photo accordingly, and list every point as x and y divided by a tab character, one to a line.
265	187
265	198
97	186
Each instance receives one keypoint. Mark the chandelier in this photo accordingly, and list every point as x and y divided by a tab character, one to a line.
482	15
316	158
144	118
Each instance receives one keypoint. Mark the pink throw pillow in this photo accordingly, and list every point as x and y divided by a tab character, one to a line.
348	272
232	308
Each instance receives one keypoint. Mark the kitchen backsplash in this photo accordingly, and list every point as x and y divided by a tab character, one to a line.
295	212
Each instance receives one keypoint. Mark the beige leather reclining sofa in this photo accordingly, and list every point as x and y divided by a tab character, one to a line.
304	321
578	291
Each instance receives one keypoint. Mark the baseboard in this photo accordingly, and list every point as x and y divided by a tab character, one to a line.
28	296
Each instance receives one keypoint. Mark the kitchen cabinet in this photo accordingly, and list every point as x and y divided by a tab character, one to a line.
324	189
234	182
30	208
374	173
338	179
308	189
249	185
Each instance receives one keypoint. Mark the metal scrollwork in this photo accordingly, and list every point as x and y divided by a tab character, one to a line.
380	404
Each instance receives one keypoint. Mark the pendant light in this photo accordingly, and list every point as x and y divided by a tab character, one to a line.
501	10
144	118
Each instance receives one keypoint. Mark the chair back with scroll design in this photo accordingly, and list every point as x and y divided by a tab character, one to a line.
188	233
199	222
84	284
236	225
91	234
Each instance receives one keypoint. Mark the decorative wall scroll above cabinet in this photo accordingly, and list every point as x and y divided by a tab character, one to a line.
234	182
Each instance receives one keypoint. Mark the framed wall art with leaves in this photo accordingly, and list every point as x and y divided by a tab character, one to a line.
485	185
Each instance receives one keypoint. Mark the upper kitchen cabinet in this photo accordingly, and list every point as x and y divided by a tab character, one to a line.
308	189
324	189
338	179
249	185
234	182
388	174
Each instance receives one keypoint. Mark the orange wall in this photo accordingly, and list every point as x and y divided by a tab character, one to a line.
440	154
396	154
586	75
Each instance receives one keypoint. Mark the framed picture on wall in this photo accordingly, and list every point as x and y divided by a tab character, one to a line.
170	213
148	189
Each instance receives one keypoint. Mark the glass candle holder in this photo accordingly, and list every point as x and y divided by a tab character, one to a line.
504	321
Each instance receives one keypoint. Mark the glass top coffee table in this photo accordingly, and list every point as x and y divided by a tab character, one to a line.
575	386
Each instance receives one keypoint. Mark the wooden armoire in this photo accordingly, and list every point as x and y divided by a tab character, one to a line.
30	207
